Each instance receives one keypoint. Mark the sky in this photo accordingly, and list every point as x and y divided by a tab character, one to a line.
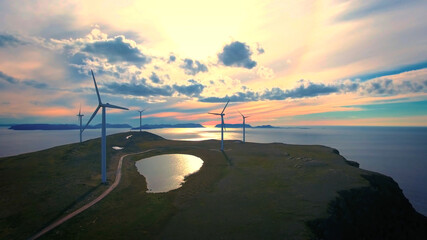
283	63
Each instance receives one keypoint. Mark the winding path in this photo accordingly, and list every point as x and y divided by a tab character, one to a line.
90	204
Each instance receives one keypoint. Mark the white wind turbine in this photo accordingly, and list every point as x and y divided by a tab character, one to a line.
80	115
103	139
244	125
140	116
222	125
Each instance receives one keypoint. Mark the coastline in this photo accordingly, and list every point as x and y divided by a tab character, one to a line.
303	177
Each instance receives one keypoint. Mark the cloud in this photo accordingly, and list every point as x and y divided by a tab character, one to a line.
154	78
265	72
9	40
358	10
237	97
31	83
259	49
172	58
35	84
7	78
193	67
116	50
237	54
389	87
143	89
308	89
192	90
305	89
138	89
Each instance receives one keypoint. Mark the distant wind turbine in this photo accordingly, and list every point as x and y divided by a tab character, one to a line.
140	116
80	115
103	139
222	125
244	125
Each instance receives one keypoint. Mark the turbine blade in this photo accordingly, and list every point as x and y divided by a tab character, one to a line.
80	110
96	87
93	115
214	113
114	106
241	114
225	106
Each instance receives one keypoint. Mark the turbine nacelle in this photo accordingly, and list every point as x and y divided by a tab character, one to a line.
243	116
222	124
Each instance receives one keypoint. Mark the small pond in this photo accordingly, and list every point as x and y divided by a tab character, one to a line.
167	172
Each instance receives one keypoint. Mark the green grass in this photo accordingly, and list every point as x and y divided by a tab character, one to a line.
253	191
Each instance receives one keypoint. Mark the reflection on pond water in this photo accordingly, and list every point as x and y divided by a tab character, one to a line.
167	172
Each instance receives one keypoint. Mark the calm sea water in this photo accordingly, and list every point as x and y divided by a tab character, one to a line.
399	152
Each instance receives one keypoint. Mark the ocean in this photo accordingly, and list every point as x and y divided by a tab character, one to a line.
399	152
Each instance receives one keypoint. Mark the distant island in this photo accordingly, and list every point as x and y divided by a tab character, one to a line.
246	125
45	126
63	126
179	125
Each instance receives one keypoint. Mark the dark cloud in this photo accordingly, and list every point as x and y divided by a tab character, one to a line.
172	58
142	88
154	78
31	83
193	67
35	84
137	89
117	50
237	54
237	97
305	89
79	58
8	78
9	40
389	87
274	94
192	90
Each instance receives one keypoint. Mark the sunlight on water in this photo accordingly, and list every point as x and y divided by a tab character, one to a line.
197	134
167	172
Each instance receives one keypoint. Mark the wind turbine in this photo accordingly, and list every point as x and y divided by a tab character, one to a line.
80	115
140	116
244	125
222	125
103	139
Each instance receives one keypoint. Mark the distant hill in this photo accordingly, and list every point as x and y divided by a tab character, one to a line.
266	126
63	126
246	125
179	125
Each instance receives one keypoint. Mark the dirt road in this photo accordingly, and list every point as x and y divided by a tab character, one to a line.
93	202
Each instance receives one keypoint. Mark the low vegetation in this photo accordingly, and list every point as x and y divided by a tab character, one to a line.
249	191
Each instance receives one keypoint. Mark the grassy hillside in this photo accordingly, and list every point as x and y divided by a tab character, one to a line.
250	191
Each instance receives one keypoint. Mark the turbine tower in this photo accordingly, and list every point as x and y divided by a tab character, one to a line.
80	115
222	125
103	139
140	116
244	125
